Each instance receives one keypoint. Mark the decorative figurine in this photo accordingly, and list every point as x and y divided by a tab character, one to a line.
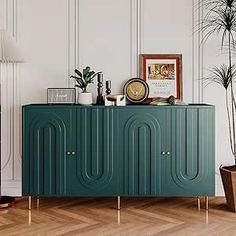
115	100
100	100
171	100
108	87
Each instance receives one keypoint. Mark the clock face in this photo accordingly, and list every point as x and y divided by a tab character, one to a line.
136	90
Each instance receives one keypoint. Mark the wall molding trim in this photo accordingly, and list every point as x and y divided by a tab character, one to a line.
11	106
133	38
197	52
72	37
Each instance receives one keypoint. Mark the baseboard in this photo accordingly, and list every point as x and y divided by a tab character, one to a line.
11	188
219	186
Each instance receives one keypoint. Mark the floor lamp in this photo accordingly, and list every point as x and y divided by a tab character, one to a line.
8	54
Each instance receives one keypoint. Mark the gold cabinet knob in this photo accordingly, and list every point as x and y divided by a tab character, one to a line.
168	153
68	153
73	153
163	153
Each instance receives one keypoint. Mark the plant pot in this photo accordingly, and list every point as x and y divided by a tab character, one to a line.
85	98
228	175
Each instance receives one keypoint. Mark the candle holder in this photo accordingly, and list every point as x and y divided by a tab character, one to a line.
100	100
108	87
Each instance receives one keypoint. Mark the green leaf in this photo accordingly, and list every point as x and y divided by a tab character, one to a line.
78	73
96	74
74	77
90	74
86	71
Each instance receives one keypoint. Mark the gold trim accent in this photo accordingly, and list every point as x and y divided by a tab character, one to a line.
198	203
29	218
118	203
38	202
30	202
118	217
207	203
207	217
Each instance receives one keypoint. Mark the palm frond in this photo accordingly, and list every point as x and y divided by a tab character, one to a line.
222	75
220	19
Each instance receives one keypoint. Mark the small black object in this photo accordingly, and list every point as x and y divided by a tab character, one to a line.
6	201
171	100
100	100
108	87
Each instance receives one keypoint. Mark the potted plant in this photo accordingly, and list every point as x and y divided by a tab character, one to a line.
83	78
221	19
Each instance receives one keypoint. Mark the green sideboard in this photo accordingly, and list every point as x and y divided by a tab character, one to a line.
71	150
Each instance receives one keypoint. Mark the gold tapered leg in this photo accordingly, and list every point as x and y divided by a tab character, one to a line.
30	219
118	217
30	202
118	203
207	217
198	203
38	202
207	202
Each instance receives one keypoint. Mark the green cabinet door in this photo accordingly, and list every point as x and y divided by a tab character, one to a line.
93	170
143	134
189	168
46	139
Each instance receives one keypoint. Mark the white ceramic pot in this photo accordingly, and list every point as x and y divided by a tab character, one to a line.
85	99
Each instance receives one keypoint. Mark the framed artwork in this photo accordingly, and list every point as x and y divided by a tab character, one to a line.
163	74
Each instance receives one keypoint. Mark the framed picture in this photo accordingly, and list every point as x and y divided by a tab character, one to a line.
163	74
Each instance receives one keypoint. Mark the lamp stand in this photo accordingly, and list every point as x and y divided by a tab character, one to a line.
6	201
8	54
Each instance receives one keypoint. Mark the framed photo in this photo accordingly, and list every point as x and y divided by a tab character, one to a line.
163	74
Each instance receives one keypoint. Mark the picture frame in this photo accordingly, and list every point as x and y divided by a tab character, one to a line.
163	74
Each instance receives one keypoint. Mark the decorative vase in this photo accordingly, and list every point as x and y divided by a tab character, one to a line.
228	175
85	98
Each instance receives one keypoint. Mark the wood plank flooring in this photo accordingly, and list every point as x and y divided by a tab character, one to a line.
137	217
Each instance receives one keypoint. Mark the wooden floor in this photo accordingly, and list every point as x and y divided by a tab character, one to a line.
137	217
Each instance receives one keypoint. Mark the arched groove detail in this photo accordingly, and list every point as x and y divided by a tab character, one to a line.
96	167
189	167
142	141
48	132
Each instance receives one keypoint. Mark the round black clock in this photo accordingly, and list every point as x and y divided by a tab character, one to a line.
136	90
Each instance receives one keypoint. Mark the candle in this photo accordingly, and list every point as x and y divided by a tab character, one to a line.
108	84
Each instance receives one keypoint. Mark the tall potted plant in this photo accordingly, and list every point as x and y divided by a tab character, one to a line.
221	19
83	78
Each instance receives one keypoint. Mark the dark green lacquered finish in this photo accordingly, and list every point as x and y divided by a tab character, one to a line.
47	135
93	170
124	151
142	139
189	168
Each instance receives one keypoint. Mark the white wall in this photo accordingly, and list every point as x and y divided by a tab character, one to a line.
58	35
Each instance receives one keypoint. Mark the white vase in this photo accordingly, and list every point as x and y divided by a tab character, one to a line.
85	99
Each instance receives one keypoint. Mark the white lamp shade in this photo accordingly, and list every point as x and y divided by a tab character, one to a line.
9	52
